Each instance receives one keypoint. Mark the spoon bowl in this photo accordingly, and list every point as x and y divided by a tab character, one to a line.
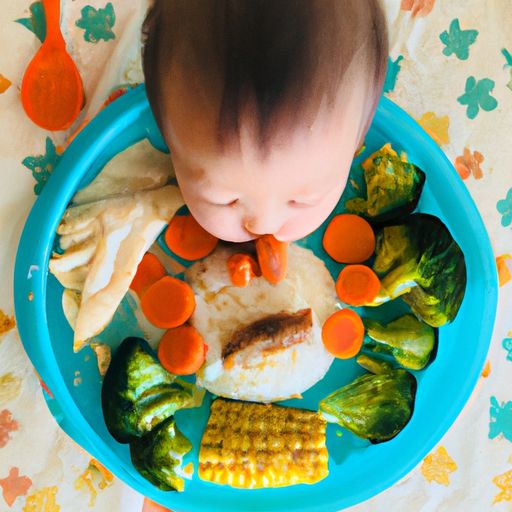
51	91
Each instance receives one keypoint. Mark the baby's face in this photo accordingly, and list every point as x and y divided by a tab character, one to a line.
240	194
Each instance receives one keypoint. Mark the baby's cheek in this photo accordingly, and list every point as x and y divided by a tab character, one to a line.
222	222
307	221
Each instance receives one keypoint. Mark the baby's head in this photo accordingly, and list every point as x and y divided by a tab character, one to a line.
263	104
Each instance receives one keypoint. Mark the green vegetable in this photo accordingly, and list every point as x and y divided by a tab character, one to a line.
158	455
138	393
407	340
393	187
423	264
373	365
375	407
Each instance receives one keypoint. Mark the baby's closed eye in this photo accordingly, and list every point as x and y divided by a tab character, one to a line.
296	203
232	202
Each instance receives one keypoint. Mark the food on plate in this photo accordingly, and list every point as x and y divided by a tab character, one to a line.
420	261
182	350
242	268
272	258
186	238
393	187
102	244
409	341
357	285
349	238
267	367
374	365
256	329
158	455
138	394
168	303
103	354
374	406
265	336
137	168
149	271
251	446
71	305
343	333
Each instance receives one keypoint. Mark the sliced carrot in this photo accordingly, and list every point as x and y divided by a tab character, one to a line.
168	303
149	271
343	334
349	239
182	350
242	269
187	239
272	258
357	285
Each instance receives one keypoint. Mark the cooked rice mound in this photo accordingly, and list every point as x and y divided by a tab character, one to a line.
264	341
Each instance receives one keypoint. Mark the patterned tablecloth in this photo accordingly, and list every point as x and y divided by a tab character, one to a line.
450	67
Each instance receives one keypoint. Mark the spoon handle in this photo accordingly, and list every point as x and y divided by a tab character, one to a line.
52	15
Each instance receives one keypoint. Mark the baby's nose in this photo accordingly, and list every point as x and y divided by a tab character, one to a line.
266	224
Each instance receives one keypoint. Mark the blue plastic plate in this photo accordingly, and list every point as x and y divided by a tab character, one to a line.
357	469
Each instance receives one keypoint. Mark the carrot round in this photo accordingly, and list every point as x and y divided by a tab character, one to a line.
343	334
168	303
357	285
149	271
187	239
272	258
182	350
349	239
242	269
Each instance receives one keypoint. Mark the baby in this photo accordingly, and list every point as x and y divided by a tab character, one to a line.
263	104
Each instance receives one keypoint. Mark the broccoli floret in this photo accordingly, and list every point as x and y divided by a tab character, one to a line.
374	407
393	187
422	263
158	455
138	393
407	340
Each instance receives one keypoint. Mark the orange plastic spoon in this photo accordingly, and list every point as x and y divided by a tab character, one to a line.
51	92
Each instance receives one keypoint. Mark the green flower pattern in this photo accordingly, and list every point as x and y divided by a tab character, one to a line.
504	206
97	23
477	95
501	419
457	41
508	64
42	165
507	345
36	22
392	73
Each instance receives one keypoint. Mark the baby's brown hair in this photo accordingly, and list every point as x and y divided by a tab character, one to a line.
285	56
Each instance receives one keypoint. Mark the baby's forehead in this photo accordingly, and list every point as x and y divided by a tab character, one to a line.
191	126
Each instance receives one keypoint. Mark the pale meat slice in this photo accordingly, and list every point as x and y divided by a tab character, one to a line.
267	335
139	167
120	230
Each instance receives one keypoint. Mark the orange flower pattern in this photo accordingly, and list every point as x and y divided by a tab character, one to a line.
418	8
7	425
13	486
437	466
504	483
468	164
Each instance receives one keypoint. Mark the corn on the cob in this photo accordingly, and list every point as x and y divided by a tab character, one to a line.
249	446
